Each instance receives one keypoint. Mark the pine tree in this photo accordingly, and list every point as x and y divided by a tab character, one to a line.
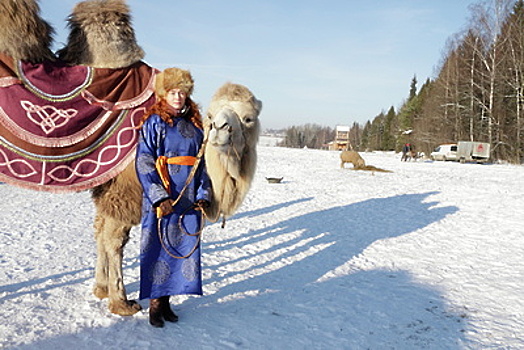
390	131
406	115
413	88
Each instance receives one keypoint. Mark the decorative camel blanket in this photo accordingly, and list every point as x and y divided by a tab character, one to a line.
69	128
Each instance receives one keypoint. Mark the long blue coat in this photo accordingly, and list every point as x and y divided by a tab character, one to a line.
160	273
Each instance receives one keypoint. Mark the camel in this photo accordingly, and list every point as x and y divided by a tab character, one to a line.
358	162
101	36
352	157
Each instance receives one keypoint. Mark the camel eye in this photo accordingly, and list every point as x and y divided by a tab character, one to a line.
248	120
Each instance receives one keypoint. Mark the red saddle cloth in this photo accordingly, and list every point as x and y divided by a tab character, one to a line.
69	128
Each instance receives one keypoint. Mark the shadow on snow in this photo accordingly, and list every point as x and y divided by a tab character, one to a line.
273	296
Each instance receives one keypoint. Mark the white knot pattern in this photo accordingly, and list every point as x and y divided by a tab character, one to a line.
49	118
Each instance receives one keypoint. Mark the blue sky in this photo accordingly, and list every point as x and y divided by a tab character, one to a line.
330	62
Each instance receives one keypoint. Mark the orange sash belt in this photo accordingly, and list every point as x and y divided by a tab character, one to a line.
163	161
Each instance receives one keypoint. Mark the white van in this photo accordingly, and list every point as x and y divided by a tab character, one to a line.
445	152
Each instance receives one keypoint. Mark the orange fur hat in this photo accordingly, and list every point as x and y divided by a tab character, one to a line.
173	78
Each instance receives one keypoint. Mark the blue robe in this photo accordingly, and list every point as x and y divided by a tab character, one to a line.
160	273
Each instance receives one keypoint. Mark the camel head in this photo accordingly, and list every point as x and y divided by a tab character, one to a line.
101	35
232	118
232	127
24	35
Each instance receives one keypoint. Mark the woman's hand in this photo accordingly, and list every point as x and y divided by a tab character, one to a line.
201	204
165	207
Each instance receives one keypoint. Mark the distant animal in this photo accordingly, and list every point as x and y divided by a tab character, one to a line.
408	152
101	36
352	157
411	155
232	128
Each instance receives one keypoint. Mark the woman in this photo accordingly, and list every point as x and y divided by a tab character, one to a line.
170	140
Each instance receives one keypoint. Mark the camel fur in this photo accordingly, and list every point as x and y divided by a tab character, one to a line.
24	35
102	36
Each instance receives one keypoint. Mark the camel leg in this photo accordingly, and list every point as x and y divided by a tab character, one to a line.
101	272
112	240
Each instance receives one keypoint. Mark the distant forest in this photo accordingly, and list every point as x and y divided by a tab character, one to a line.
477	95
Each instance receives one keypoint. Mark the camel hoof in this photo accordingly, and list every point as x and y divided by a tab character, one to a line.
124	307
100	292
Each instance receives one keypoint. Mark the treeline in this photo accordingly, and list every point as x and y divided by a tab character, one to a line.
308	136
477	94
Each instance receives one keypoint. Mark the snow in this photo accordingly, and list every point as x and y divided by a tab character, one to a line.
429	256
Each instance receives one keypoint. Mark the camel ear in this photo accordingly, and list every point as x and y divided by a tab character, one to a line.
258	105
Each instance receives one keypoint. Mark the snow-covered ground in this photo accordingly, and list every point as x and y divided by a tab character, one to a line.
430	256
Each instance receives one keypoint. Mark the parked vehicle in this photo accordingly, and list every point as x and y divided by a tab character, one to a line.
463	151
470	151
445	152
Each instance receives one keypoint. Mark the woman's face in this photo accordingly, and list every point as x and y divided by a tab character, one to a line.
176	98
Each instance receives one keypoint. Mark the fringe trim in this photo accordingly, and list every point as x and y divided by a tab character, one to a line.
77	187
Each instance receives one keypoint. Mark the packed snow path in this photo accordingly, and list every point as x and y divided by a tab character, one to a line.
429	256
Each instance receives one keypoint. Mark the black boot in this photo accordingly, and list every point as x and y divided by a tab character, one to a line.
155	313
166	311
